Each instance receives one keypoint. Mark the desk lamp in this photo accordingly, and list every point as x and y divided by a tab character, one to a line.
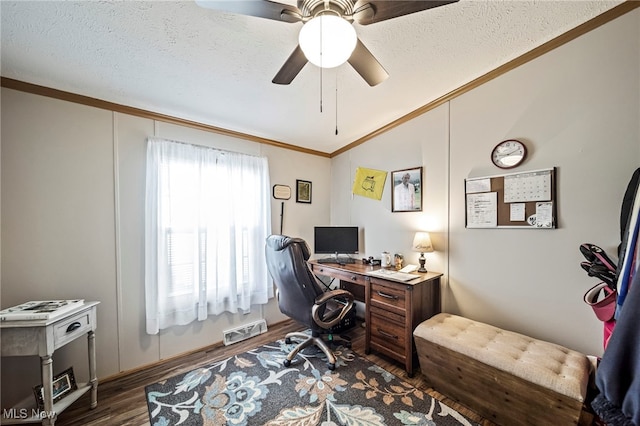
422	244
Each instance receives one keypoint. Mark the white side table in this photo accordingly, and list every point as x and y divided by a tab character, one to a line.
42	338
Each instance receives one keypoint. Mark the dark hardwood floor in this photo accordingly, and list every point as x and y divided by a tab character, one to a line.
121	400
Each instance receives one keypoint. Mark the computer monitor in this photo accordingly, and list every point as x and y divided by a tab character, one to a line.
335	239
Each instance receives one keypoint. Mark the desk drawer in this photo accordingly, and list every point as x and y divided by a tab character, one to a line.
351	277
70	328
388	297
388	330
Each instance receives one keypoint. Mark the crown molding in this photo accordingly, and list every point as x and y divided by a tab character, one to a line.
570	35
562	39
22	86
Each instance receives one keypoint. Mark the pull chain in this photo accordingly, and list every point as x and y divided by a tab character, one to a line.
321	65
336	103
320	89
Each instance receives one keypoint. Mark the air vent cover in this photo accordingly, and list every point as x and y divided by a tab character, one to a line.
243	332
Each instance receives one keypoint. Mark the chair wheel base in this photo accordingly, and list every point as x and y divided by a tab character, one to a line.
286	363
332	367
287	340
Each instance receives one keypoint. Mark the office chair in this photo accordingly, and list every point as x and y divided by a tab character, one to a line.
301	298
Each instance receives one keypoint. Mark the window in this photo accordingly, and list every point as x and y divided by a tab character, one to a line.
207	216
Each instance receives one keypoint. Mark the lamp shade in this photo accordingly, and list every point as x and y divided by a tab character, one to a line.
422	242
327	40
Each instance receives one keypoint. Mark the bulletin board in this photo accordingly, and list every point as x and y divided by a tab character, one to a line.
513	200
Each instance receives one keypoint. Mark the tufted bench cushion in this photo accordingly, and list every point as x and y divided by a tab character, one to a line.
510	365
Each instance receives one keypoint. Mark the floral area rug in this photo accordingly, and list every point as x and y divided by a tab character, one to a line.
254	388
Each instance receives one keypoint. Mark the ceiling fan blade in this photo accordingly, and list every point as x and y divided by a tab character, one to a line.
259	8
292	66
367	65
370	12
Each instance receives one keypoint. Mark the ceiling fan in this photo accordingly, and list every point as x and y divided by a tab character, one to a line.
318	17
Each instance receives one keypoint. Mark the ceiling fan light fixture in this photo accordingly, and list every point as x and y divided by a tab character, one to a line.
327	40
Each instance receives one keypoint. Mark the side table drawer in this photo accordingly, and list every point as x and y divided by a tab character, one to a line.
70	328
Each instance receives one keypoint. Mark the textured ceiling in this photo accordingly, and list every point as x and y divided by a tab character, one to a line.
176	58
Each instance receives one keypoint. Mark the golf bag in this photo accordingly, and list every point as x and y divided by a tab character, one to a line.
606	297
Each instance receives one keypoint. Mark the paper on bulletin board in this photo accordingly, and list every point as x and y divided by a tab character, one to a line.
477	185
516	212
544	215
369	183
482	210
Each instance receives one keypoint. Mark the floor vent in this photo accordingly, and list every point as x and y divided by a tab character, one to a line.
243	332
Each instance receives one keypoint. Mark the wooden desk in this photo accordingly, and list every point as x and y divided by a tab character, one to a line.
393	309
42	338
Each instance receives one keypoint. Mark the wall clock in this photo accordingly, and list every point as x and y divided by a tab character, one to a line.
508	154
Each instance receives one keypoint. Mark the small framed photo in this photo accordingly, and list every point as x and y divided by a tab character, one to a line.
303	191
281	192
406	195
63	384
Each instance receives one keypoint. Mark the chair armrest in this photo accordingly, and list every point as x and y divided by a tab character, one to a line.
333	294
343	297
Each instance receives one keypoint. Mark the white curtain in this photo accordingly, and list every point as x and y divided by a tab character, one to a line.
207	216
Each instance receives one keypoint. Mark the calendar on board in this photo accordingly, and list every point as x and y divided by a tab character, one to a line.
531	186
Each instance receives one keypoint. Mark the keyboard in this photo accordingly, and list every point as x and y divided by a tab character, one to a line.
340	261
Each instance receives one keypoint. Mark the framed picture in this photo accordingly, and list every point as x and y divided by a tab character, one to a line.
407	190
281	192
303	191
63	384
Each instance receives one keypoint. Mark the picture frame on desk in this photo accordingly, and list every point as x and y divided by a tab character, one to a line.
63	384
406	190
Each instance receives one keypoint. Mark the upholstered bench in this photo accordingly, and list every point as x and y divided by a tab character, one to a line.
506	377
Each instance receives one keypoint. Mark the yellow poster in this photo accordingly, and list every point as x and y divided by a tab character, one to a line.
369	183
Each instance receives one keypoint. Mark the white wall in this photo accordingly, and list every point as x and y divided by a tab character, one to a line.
577	108
419	143
73	220
57	221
